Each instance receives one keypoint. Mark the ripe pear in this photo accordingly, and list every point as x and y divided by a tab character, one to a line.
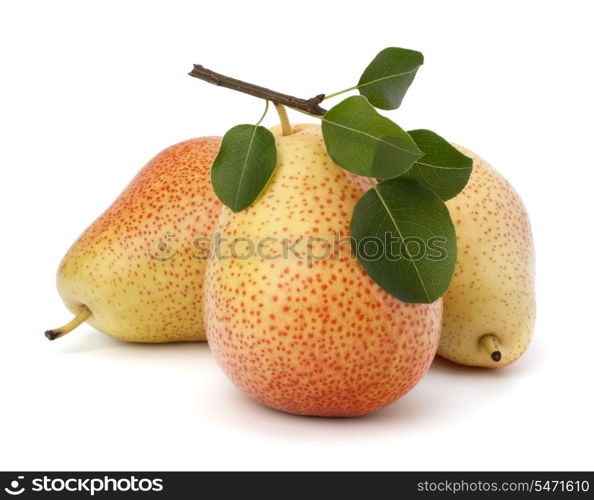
137	272
489	309
310	336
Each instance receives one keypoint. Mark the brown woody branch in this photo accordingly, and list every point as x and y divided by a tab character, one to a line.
311	106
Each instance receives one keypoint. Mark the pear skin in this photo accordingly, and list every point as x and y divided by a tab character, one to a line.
315	337
136	273
489	309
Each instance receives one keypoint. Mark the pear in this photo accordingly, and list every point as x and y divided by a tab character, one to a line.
136	273
489	309
309	332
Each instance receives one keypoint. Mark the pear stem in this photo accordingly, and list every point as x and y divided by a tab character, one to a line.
284	118
79	319
311	106
490	344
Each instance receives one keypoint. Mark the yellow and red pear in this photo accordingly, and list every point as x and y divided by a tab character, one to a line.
310	336
489	309
136	273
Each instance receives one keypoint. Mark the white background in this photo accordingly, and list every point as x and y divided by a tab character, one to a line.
91	90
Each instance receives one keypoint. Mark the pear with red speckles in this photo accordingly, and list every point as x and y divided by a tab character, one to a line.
137	272
292	318
489	309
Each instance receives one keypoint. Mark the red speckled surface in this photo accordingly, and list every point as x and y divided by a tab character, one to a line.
492	291
314	340
134	266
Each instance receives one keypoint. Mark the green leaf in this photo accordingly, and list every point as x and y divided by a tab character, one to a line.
366	143
404	237
243	166
443	169
387	78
